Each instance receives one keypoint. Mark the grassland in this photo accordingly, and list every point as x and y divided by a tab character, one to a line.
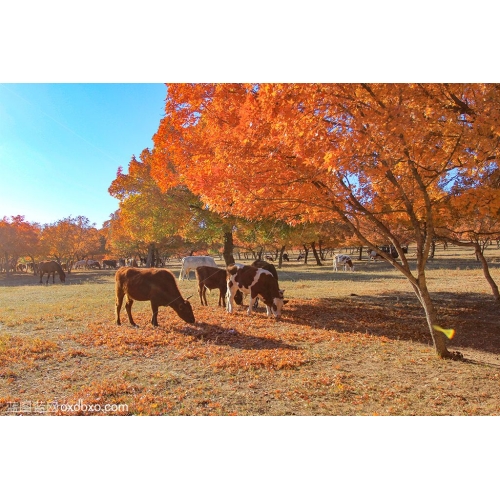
348	344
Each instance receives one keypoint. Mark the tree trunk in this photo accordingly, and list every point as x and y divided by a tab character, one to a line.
320	250
7	263
438	338
486	271
433	249
280	258
315	253
34	265
306	249
480	257
360	253
150	256
228	248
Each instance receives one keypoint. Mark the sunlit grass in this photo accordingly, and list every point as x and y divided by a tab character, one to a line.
348	344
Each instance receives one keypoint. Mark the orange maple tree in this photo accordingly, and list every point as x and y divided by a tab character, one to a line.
382	158
70	239
18	238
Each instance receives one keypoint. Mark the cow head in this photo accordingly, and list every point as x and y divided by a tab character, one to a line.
278	303
238	297
185	311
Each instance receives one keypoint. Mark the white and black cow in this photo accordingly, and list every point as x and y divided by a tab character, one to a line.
374	255
192	262
257	283
344	260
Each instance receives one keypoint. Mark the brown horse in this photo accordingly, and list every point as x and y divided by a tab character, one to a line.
51	267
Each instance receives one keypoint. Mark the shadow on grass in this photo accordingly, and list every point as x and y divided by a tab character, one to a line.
217	335
475	318
367	270
74	278
328	274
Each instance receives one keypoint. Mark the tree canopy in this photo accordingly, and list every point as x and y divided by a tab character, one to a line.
388	160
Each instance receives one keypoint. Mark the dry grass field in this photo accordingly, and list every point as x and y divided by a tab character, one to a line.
347	344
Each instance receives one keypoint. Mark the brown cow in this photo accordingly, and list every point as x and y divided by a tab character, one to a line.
156	285
211	278
258	283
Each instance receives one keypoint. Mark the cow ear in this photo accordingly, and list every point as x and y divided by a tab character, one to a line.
286	301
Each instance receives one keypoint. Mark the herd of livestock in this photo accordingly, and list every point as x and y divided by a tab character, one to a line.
258	281
159	287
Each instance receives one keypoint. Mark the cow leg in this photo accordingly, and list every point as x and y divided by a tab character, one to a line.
128	307
230	297
221	298
154	318
118	305
201	288
41	274
252	302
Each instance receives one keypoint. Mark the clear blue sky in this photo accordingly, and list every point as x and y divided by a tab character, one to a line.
61	145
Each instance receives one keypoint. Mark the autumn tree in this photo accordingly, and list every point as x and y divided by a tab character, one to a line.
71	239
149	220
18	238
378	157
476	225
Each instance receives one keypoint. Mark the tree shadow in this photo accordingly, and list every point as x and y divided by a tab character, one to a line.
73	278
399	316
366	270
326	273
217	335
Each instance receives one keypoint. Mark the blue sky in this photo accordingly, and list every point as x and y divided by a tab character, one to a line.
61	145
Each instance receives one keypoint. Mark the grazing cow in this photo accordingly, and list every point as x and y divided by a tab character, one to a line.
211	278
156	285
261	264
80	264
374	255
191	263
93	264
285	257
390	250
109	263
343	259
256	283
238	297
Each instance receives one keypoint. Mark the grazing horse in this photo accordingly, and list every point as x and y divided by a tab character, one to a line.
51	267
